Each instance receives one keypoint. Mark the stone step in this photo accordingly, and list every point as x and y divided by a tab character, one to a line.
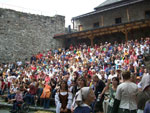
5	104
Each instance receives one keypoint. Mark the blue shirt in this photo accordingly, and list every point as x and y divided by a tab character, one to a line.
147	108
84	109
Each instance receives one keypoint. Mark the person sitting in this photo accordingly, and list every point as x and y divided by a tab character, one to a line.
2	87
45	96
29	97
13	90
17	100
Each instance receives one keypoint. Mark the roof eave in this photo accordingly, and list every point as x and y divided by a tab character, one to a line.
95	12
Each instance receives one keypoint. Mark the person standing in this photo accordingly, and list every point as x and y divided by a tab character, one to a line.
144	95
112	92
147	107
126	96
98	88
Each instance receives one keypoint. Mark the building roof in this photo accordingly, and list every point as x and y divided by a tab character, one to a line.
108	2
108	5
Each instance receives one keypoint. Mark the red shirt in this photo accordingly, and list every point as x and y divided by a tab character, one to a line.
40	55
3	85
71	47
32	90
126	61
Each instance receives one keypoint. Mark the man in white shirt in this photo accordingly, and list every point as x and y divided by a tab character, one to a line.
126	96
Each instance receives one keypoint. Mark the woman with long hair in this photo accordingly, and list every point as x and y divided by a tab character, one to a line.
81	82
63	99
112	92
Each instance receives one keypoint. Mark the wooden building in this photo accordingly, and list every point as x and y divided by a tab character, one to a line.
113	20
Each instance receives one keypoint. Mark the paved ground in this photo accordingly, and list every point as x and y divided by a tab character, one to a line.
7	111
5	108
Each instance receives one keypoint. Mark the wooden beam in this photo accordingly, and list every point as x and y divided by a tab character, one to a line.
121	26
128	25
126	35
81	34
143	25
74	35
102	21
95	31
91	37
128	16
81	37
136	27
125	31
114	31
138	23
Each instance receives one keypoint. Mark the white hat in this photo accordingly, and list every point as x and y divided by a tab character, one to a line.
145	81
82	95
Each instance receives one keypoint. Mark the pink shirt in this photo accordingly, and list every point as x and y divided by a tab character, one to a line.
47	79
19	97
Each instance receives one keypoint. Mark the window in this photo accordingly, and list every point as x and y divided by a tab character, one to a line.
1	13
80	27
96	25
52	21
147	14
118	20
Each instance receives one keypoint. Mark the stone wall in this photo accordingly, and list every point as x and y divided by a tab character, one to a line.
22	34
135	11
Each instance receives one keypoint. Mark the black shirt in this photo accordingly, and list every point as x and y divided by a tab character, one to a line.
99	88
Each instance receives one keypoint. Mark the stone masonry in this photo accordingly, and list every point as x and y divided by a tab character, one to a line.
22	34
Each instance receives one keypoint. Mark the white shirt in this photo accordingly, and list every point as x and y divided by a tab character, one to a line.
126	93
135	64
118	62
57	101
19	63
110	77
100	76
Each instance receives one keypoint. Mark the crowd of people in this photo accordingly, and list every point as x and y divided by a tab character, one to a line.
79	77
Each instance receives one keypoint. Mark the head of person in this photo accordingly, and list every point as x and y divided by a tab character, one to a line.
118	71
81	82
112	72
146	87
86	96
126	75
145	83
63	85
133	78
95	78
18	90
115	81
102	72
138	79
